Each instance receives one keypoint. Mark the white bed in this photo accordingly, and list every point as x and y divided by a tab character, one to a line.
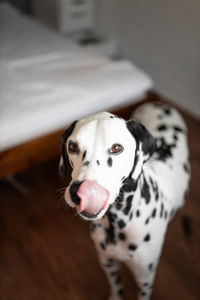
46	81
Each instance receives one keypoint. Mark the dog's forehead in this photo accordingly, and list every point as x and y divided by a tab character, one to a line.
102	126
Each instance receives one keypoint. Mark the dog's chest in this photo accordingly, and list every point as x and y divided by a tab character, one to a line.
114	242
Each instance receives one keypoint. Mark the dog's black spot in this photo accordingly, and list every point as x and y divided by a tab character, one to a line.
167	111
109	162
118	206
145	192
120	292
128	205
110	262
102	245
129	185
84	155
162	127
143	293
123	178
112	216
147	221
166	214
132	247
121	224
175	137
164	150
122	236
118	279
161	210
178	129
113	273
98	163
111	117
131	216
145	284
92	227
172	213
137	213
147	238
153	213
150	266
86	163
118	201
110	234
155	188
186	167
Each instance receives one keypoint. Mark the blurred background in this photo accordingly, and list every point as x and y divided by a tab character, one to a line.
61	60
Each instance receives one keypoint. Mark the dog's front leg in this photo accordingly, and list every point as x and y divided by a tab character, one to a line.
144	274
111	268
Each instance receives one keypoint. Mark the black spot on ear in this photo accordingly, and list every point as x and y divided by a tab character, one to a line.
109	162
63	141
86	163
141	134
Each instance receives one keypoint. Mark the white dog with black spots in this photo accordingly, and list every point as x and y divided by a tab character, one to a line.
129	178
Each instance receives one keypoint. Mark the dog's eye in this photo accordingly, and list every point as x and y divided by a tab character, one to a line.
73	147
116	148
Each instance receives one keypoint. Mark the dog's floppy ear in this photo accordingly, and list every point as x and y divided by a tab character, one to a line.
142	135
145	145
64	157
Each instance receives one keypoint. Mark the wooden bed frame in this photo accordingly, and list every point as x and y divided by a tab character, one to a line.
20	158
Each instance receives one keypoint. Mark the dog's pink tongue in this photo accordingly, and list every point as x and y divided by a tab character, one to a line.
93	197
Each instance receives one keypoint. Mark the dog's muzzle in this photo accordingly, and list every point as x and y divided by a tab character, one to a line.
90	197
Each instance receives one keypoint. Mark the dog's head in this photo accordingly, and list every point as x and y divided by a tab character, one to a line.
102	150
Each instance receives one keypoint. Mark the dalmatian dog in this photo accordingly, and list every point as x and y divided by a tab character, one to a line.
129	178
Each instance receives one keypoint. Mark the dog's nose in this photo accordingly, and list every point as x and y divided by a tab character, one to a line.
92	196
73	191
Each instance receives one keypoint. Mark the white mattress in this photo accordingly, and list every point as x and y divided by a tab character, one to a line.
46	81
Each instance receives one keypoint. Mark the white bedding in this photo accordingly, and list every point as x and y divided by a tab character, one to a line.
46	81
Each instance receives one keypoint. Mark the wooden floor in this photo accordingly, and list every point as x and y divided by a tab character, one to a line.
46	252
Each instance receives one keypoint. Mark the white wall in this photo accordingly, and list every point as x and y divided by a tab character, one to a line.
162	37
